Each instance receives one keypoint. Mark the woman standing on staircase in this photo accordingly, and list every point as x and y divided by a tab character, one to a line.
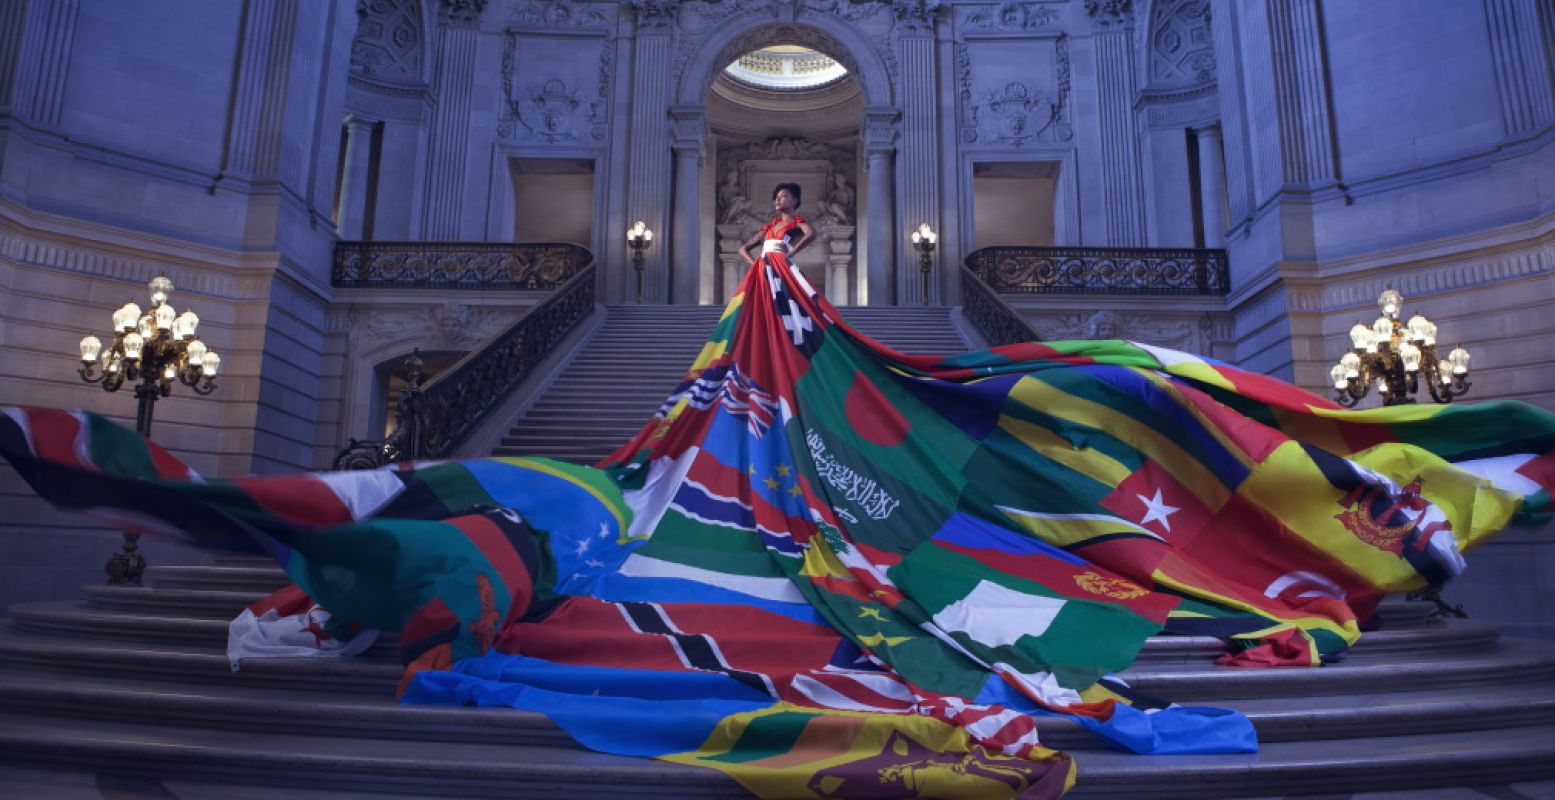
779	235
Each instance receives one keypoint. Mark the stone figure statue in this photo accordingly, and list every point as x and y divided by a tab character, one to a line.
839	203
1103	324
736	206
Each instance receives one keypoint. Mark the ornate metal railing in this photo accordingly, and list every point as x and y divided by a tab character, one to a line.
435	418
457	265
999	323
1101	270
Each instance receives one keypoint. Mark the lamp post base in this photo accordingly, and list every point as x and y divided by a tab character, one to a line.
128	567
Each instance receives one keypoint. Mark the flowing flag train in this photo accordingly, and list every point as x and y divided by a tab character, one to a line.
829	569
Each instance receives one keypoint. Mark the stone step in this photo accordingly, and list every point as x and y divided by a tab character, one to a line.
232	579
297	712
465	769
213	603
1335	767
80	620
1510	661
55	655
76	619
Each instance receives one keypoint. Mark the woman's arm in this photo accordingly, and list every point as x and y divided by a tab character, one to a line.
745	249
809	233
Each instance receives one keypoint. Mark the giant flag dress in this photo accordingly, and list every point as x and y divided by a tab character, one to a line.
829	569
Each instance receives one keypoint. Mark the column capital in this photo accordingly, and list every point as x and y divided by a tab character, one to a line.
915	16
688	128
655	14
461	12
879	130
1110	14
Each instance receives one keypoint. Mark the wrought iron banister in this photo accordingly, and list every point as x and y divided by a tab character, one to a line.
457	265
1101	270
435	418
999	323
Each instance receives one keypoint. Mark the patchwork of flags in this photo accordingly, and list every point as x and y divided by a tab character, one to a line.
829	569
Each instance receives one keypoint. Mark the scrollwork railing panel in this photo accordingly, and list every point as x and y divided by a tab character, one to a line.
436	418
457	265
999	323
456	401
1101	270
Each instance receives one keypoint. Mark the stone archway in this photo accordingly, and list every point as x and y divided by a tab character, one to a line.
696	77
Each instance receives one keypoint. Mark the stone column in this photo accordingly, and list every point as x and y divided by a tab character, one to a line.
1212	173
690	140
454	77
879	149
354	178
259	105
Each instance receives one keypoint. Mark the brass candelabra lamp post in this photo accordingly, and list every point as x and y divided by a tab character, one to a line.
638	237
1395	358
151	349
923	240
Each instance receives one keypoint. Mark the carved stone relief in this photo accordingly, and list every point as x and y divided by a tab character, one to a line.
388	40
457	325
559	14
915	16
568	108
1191	334
655	13
1182	48
1012	16
1019	111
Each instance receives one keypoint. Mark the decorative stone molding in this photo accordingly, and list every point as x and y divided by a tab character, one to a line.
1012	16
688	129
1181	44
389	41
915	16
461	12
559	14
1018	113
1110	13
653	14
858	12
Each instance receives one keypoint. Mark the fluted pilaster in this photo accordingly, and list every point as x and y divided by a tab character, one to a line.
264	70
1301	92
919	157
1122	185
647	188
450	135
1523	70
48	36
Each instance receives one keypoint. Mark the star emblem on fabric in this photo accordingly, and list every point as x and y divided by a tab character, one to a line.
772	483
1156	510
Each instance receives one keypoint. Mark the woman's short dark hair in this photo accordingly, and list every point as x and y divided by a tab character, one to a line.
793	189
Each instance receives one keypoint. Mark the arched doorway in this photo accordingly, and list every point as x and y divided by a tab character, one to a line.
842	156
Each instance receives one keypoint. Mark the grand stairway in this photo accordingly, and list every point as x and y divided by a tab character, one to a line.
135	681
620	377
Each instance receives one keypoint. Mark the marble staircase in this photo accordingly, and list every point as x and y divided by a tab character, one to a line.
619	378
132	681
